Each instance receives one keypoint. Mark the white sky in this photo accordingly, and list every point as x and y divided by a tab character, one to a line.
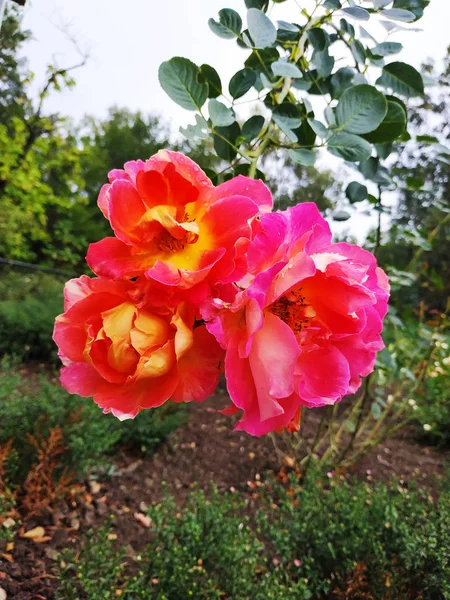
127	41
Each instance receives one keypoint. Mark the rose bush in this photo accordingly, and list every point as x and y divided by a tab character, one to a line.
198	272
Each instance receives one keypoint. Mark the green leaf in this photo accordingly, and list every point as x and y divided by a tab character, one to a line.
263	32
347	28
341	80
403	79
375	409
361	109
369	167
350	426
304	157
392	127
301	84
287	115
332	4
386	48
341	215
212	78
357	13
179	78
286	69
330	116
252	127
199	130
399	14
220	115
324	62
415	6
427	139
229	25
384	150
261	4
358	51
318	38
241	82
221	146
349	147
319	128
356	192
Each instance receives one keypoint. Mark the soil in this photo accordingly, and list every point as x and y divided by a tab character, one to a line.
206	449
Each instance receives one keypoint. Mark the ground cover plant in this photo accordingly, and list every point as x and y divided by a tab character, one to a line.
33	405
352	540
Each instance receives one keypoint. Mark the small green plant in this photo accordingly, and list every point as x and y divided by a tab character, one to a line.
324	539
29	304
432	408
325	530
34	405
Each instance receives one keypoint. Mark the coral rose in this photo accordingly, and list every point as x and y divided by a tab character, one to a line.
173	225
128	354
306	327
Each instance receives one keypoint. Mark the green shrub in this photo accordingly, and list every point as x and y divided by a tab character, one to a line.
206	551
433	403
33	405
28	307
398	535
309	542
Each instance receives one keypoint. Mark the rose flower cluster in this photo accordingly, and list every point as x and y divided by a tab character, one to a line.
200	279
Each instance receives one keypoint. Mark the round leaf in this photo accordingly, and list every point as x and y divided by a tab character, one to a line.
349	147
357	13
386	48
318	38
211	76
241	82
220	115
224	140
403	79
399	14
356	192
179	78
286	69
341	215
361	109
262	31
304	157
252	127
229	25
392	127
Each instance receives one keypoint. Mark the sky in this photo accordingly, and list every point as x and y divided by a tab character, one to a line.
127	41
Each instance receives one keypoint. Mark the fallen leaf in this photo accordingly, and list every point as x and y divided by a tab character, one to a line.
42	540
51	553
7	557
36	532
289	461
7	523
144	520
9	546
95	486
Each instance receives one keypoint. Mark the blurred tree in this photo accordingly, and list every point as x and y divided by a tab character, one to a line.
13	71
420	232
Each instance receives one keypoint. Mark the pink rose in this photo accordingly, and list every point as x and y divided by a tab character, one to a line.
305	327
